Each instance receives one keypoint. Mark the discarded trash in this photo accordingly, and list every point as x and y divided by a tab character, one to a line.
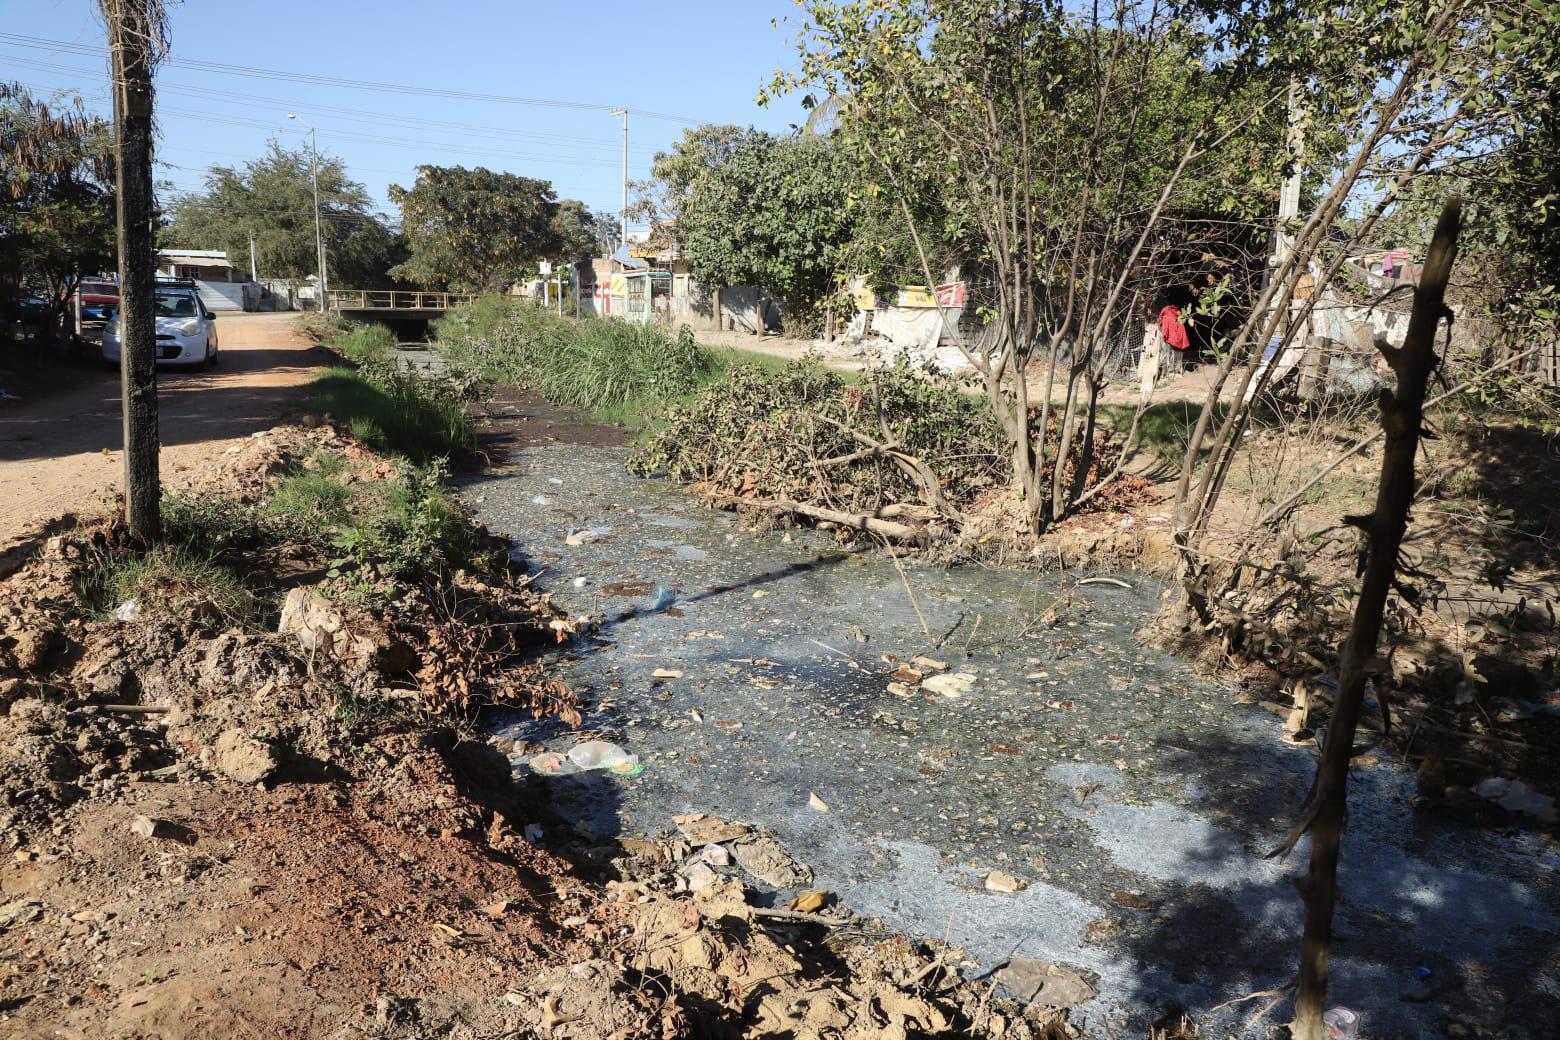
1040	982
540	500
929	664
1514	796
548	763
906	674
1422	972
1105	581
602	754
1341	1023
667	673
129	610
586	536
533	833
1004	883
660	600
949	684
814	802
579	583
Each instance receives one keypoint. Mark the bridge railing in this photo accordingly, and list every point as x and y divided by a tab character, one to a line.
394	300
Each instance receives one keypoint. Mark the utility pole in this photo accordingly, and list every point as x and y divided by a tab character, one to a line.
319	234
132	29
254	269
624	214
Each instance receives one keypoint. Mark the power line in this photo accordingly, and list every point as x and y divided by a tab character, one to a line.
316	79
396	119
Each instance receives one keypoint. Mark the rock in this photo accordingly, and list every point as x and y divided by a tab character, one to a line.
766	859
708	830
1132	900
1517	797
700	877
242	758
949	684
148	827
716	855
310	618
998	881
20	911
814	802
1040	982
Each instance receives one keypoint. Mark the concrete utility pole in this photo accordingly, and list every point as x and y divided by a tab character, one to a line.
319	234
254	269
131	31
623	216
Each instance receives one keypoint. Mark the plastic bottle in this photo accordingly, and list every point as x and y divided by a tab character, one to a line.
1341	1023
601	754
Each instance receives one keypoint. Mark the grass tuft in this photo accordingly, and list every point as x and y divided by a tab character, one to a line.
171	580
421	418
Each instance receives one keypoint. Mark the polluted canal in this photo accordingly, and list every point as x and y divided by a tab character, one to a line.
750	673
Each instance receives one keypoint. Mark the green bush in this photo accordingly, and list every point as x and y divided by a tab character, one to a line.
479	318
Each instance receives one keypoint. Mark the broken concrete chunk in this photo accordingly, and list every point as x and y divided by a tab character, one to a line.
710	831
766	859
20	911
1040	982
148	827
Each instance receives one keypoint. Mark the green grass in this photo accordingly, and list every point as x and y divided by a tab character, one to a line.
314	495
620	372
364	342
170	580
422	419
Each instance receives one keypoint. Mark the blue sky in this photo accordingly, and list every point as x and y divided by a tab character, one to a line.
701	60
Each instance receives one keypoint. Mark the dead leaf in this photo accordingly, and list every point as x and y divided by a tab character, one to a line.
810	902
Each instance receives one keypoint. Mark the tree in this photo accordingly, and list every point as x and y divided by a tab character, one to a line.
137	39
56	198
272	199
475	230
661	201
576	230
774	214
1074	165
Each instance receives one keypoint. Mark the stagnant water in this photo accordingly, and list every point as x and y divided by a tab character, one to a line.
1080	760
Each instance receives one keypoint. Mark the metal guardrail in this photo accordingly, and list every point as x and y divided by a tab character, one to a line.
394	300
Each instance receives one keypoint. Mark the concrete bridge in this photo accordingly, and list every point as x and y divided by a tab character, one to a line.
382	304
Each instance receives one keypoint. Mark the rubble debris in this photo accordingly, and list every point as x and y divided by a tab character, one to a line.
1041	982
242	758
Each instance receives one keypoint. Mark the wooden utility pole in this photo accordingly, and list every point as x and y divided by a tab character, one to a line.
1402	411
134	28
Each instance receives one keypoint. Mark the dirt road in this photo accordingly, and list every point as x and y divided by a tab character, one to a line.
58	453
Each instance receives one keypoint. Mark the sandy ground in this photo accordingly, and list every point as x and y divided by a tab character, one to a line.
58	453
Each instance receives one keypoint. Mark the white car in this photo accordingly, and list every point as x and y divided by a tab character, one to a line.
186	330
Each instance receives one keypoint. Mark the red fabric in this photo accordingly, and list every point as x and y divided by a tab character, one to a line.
1170	325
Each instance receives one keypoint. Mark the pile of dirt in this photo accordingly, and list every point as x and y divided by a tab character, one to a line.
214	831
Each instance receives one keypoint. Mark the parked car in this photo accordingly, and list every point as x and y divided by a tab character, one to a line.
32	309
186	330
99	298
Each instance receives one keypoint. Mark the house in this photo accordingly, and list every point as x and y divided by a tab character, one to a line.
222	287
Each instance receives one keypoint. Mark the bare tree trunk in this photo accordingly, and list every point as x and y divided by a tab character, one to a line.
1327	808
130	27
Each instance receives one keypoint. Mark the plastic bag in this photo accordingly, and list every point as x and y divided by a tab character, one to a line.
602	754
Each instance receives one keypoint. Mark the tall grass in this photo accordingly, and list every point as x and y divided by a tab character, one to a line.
365	341
592	363
420	418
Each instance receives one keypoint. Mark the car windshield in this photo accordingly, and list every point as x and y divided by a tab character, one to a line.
100	288
175	305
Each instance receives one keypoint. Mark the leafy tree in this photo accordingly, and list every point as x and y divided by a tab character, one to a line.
575	228
475	230
662	200
774	214
272	198
56	198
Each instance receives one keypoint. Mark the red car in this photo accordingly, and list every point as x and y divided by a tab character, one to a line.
99	299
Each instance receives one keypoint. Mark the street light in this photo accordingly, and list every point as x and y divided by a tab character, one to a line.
319	235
